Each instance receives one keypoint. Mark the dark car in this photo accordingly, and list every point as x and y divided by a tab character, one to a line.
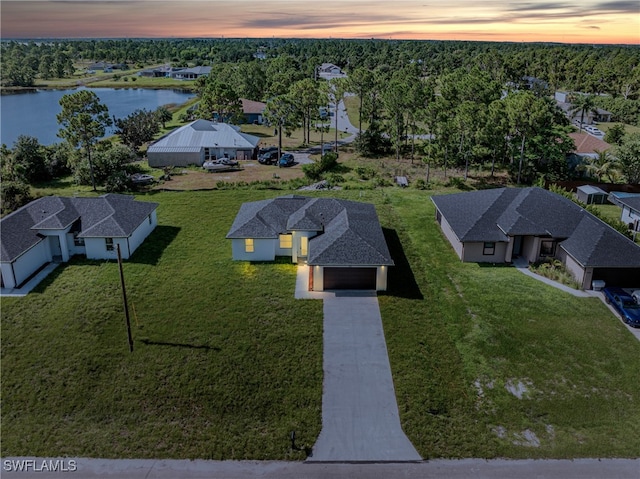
286	160
269	158
624	304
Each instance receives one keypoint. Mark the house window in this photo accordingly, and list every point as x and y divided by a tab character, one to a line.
248	245
209	154
77	241
547	248
149	218
489	249
109	243
286	241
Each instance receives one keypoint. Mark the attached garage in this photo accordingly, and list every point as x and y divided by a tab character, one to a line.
623	277
349	278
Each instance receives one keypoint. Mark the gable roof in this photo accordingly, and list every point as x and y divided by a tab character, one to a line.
110	215
202	134
349	231
494	215
252	107
586	143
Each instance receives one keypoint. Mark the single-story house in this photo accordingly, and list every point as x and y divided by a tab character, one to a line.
341	241
190	73
563	99
499	225
253	111
589	194
328	71
630	211
55	228
588	146
199	141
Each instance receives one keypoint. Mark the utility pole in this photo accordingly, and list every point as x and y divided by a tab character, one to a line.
124	300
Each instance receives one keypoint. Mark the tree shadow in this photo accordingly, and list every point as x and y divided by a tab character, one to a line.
150	251
149	342
401	281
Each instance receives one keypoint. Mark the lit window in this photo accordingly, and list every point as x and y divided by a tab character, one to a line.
286	241
248	245
489	249
109	243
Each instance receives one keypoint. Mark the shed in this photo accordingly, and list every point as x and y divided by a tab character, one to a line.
591	194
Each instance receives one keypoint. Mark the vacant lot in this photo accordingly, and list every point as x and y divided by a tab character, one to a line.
486	361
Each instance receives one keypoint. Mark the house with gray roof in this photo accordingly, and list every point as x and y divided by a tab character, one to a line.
53	228
630	205
500	225
200	141
341	241
190	73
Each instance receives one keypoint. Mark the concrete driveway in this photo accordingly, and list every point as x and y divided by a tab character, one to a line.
360	420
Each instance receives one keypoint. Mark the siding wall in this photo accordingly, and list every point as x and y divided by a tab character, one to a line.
473	252
141	232
97	248
175	159
451	236
629	216
15	273
264	250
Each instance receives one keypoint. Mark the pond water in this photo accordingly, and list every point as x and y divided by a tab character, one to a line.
34	113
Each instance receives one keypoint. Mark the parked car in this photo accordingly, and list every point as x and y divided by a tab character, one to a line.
269	158
286	160
593	130
636	295
267	149
624	304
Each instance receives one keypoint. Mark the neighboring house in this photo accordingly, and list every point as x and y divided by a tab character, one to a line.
588	146
253	111
159	72
341	241
630	211
55	228
190	73
199	141
599	115
589	194
497	226
328	71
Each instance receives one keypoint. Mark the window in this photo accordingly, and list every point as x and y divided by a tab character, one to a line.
248	245
77	241
286	241
149	218
109	243
209	154
489	249
547	248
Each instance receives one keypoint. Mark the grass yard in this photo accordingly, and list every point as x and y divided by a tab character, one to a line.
459	335
227	363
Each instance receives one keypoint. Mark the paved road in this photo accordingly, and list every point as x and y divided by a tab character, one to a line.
441	469
360	420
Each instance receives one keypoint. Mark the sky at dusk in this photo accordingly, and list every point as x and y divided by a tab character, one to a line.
569	21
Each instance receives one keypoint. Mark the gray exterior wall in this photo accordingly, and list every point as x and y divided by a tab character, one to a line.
473	252
158	160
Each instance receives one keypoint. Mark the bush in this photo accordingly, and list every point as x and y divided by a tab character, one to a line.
14	194
314	170
420	184
365	172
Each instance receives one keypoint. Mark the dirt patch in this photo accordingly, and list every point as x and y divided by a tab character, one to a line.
196	179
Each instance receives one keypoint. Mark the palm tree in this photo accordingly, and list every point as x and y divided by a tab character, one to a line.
583	104
603	165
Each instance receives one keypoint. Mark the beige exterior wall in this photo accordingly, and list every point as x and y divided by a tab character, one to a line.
453	239
474	252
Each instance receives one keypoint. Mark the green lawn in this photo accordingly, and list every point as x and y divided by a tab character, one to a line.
227	363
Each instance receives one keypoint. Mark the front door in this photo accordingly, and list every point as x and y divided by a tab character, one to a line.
56	250
304	246
517	246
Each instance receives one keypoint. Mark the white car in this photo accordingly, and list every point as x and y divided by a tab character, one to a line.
593	130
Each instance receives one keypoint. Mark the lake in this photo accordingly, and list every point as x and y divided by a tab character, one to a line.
34	113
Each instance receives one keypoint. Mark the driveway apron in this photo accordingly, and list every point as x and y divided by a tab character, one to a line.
360	420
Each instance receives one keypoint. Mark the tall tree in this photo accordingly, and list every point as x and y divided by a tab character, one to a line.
280	111
164	115
360	82
583	104
137	128
84	121
219	100
628	154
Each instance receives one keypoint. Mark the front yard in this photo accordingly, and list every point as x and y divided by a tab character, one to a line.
486	361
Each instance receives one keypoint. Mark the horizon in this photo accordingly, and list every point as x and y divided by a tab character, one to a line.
589	22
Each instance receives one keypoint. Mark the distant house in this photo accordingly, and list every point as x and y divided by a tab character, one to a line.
55	228
260	55
199	141
588	146
589	194
563	100
340	240
499	225
190	73
253	111
329	71
159	72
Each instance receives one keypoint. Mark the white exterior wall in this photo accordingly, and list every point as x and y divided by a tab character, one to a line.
96	248
175	159
13	274
73	249
263	250
451	236
629	216
142	231
473	252
531	248
65	248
